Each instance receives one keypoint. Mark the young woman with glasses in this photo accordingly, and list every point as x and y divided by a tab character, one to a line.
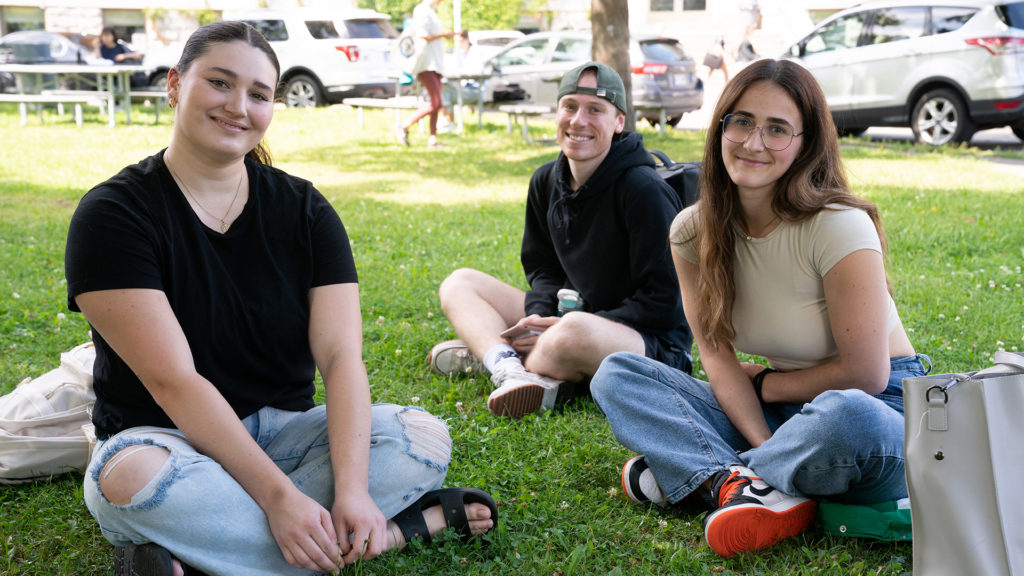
778	260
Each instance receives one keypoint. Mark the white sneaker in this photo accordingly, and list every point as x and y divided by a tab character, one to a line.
519	392
453	357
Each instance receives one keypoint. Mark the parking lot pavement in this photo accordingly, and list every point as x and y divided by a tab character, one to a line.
986	139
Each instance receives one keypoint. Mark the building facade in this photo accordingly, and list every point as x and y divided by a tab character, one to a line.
149	25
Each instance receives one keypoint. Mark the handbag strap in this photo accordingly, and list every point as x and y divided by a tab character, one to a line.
1009	358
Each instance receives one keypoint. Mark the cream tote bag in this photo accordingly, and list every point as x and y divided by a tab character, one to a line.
46	423
965	470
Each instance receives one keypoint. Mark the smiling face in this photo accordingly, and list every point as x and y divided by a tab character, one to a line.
225	101
754	168
586	126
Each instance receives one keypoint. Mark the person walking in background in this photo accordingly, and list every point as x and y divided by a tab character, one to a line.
215	287
429	68
777	259
714	57
594	254
745	52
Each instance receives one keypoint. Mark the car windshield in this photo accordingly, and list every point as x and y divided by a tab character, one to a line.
370	28
528	53
1012	14
662	50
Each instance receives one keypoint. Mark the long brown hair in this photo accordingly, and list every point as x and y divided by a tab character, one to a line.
204	38
815	179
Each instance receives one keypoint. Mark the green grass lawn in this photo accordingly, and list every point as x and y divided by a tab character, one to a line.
956	250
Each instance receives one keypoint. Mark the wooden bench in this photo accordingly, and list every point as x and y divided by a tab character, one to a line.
525	110
398	104
60	99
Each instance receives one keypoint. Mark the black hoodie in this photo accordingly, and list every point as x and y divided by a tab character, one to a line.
608	240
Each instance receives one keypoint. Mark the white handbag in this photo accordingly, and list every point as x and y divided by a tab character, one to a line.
964	467
46	423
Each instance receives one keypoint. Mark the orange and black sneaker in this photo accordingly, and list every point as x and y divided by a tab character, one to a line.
752	515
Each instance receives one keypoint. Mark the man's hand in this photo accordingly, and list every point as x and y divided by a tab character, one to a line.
360	525
535	323
304	532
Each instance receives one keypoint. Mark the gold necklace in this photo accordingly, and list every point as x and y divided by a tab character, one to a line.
224	225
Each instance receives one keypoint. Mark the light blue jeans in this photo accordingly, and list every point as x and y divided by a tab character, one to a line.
196	510
845	444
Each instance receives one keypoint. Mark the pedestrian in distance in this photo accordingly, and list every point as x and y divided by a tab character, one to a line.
595	257
428	69
780	260
216	286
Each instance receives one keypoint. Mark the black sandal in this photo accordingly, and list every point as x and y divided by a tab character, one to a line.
147	560
453	502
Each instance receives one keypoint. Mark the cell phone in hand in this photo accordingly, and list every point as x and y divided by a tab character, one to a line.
519	331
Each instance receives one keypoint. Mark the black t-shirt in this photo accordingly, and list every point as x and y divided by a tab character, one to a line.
241	298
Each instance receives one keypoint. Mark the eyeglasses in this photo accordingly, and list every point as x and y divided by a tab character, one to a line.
776	136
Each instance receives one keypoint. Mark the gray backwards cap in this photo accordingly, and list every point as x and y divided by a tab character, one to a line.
609	84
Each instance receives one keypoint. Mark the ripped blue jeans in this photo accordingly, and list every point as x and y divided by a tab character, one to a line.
196	510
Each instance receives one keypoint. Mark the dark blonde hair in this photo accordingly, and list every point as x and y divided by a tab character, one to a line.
815	179
204	38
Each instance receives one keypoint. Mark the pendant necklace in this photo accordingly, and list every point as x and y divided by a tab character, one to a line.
224	224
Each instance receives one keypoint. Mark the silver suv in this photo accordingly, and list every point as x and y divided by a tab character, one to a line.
531	68
327	55
946	68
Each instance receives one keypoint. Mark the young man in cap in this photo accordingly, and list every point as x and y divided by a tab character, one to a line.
597	221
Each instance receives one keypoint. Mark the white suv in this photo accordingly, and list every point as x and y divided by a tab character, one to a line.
327	55
946	68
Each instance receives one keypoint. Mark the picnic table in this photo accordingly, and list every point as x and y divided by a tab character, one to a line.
39	83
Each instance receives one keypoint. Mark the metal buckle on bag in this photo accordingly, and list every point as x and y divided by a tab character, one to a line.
938	418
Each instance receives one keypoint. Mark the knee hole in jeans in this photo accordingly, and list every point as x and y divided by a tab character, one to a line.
428	437
130	470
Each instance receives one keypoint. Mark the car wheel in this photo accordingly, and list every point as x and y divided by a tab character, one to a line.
302	92
1018	129
670	121
158	79
852	132
940	117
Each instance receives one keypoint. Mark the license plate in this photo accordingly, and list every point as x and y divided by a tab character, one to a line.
682	80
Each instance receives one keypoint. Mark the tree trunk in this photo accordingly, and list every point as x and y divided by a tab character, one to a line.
609	21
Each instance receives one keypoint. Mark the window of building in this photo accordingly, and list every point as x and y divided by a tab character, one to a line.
662	5
695	5
125	22
17	18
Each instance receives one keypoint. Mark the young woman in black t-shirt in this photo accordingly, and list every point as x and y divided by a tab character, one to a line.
215	287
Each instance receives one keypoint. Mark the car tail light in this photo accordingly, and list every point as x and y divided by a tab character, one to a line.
649	68
351	52
998	45
1008	104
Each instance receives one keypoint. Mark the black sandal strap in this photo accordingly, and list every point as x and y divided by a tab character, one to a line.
412	524
453	504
